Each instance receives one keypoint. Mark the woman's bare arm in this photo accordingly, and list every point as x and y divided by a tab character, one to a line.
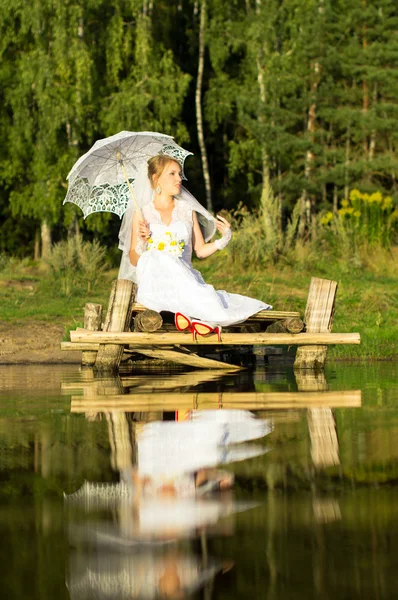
202	250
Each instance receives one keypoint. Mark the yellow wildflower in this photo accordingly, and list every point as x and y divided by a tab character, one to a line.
161	246
357	214
325	220
344	203
376	198
387	203
169	233
150	241
173	243
355	195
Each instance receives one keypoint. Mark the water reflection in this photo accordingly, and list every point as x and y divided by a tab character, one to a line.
307	514
168	438
170	490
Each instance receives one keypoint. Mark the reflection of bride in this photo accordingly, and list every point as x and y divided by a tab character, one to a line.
157	251
170	453
135	556
163	496
162	573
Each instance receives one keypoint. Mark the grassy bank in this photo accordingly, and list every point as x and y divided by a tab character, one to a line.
367	299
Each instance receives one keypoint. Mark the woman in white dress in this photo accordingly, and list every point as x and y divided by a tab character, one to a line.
157	244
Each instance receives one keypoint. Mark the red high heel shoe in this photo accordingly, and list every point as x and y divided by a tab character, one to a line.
202	328
182	322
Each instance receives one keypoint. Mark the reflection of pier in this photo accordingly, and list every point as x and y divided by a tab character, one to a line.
138	398
184	391
147	402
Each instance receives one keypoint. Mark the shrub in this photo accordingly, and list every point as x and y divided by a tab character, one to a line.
73	263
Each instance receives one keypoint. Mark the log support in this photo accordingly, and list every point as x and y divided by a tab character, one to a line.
318	319
117	320
92	322
148	320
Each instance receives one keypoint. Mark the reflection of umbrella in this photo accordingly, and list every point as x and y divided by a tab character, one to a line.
101	179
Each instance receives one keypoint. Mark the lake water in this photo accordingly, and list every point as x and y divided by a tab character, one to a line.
116	487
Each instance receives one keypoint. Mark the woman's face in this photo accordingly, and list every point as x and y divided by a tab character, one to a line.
170	179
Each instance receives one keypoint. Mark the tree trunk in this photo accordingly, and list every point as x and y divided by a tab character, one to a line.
306	201
37	245
372	141
45	239
365	90
267	198
347	164
198	101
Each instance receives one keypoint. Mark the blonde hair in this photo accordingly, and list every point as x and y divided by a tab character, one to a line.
156	166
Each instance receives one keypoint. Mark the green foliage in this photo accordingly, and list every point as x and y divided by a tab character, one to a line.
74	262
300	105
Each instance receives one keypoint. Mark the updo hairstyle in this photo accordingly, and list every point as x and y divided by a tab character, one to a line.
156	166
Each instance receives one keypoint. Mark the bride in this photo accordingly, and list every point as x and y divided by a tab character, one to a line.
157	243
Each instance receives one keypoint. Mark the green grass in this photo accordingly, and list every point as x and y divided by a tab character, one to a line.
367	301
24	297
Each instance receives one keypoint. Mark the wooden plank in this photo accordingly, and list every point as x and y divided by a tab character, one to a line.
318	318
240	339
118	319
263	315
79	347
173	381
190	359
187	401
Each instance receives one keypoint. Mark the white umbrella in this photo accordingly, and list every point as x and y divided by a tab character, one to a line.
101	180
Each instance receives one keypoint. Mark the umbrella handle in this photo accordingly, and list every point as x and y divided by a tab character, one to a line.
120	161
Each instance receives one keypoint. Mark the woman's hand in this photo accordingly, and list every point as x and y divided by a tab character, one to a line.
222	225
224	228
143	231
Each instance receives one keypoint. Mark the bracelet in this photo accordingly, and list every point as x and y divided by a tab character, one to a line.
222	242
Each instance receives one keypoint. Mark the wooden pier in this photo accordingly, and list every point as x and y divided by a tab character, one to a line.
103	347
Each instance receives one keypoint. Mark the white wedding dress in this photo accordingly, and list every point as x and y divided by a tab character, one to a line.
170	283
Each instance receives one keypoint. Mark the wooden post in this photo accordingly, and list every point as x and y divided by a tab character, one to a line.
117	319
92	322
322	424
318	319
